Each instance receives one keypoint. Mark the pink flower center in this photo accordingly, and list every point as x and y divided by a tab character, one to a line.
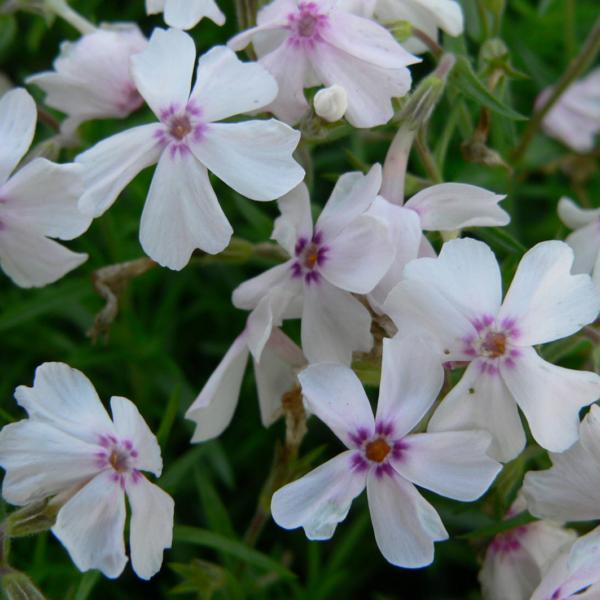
310	255
510	541
377	450
494	344
119	456
374	450
306	25
181	127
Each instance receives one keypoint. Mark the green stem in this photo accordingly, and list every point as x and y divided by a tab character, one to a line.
427	159
64	11
576	68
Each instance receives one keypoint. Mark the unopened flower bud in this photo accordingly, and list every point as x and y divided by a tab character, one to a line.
331	103
17	586
401	30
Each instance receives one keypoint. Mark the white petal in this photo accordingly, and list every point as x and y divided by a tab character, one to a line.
352	195
163	71
411	379
575	217
586	247
182	213
334	324
452	463
447	13
249	293
66	399
319	500
90	526
213	408
334	393
450	206
585	551
41	461
185	14
32	260
405	524
544	540
548	302
550	397
43	196
367	40
18	116
295	221
112	163
154	6
480	401
466	273
151	527
417	308
130	425
252	157
226	86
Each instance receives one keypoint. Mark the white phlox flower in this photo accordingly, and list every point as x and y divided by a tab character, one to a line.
441	207
37	202
516	559
182	212
185	14
585	239
575	118
347	251
427	15
383	456
69	446
304	44
275	373
457	299
91	77
575	574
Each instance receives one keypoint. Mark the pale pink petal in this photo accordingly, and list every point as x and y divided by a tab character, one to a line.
544	540
450	206
32	260
405	524
252	157
151	527
163	71
213	408
185	14
585	551
182	213
359	256
334	324
249	293
18	116
411	379
575	217
43	196
335	395
550	397
454	464
41	461
295	221
226	86
353	194
321	499
90	526
112	163
481	401
130	426
586	247
545	300
66	399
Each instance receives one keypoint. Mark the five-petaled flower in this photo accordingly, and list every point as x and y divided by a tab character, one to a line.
39	201
70	449
385	457
182	212
457	299
307	43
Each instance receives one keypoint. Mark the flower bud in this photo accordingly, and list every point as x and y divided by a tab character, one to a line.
331	103
401	30
17	586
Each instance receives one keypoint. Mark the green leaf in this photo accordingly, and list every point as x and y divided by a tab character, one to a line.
87	584
498	527
500	238
215	541
465	80
169	416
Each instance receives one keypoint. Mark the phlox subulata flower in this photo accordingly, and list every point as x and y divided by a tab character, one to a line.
274	371
457	299
91	77
308	43
383	456
70	450
516	559
185	14
254	157
346	251
37	201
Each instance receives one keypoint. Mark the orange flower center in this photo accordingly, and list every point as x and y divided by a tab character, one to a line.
377	450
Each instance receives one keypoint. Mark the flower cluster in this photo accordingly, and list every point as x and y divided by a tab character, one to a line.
458	364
